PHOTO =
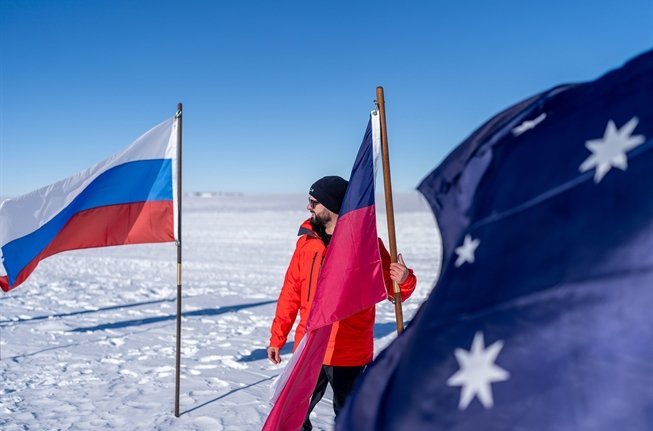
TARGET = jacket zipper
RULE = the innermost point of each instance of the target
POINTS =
(310, 278)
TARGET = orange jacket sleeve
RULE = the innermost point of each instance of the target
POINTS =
(289, 302)
(407, 287)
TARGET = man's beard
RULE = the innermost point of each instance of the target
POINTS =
(319, 220)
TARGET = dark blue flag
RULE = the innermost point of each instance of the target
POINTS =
(543, 315)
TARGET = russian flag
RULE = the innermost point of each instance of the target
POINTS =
(351, 280)
(130, 198)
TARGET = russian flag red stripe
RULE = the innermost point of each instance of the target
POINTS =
(136, 223)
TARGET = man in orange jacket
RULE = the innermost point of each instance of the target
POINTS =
(351, 343)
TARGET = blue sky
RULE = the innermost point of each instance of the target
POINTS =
(277, 94)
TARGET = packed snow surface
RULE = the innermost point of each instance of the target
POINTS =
(88, 342)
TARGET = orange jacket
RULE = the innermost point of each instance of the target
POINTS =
(352, 340)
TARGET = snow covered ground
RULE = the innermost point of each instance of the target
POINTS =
(88, 341)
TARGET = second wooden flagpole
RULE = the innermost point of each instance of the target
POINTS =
(389, 209)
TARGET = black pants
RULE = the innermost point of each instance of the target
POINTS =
(342, 381)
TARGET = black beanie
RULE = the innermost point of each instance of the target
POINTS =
(329, 191)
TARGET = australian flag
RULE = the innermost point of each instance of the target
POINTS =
(543, 315)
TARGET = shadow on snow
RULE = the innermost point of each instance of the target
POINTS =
(79, 313)
(156, 319)
(228, 393)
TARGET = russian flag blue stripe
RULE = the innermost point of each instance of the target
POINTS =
(135, 181)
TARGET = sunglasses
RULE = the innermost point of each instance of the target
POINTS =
(312, 203)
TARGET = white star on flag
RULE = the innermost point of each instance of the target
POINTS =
(466, 251)
(610, 151)
(528, 124)
(477, 372)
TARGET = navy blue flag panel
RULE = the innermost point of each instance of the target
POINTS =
(543, 315)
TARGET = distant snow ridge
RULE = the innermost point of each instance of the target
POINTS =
(236, 201)
(212, 194)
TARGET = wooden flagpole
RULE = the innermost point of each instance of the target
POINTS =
(389, 209)
(179, 195)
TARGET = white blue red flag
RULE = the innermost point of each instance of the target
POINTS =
(542, 317)
(129, 198)
(351, 280)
